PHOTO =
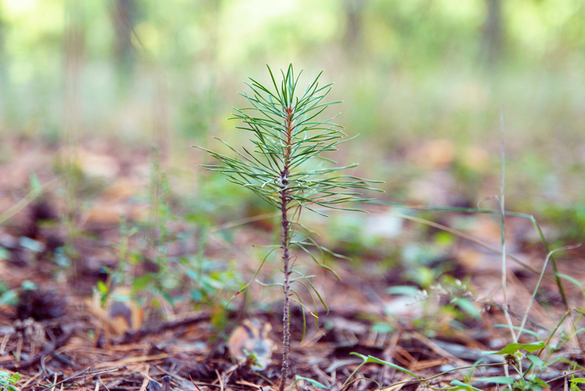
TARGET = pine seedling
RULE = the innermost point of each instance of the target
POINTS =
(287, 169)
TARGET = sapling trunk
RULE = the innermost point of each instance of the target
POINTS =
(286, 169)
(284, 201)
(286, 311)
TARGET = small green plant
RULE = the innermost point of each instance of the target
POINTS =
(8, 380)
(7, 296)
(169, 279)
(575, 381)
(286, 169)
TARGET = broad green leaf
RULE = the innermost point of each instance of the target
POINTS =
(141, 282)
(102, 288)
(515, 347)
(31, 244)
(35, 185)
(371, 359)
(467, 306)
(578, 380)
(535, 360)
(314, 383)
(28, 285)
(525, 385)
(540, 382)
(9, 298)
(496, 380)
(382, 328)
(461, 385)
(168, 298)
(4, 254)
(406, 290)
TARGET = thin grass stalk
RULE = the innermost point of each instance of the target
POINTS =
(538, 285)
(503, 234)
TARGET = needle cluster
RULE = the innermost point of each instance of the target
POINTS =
(289, 142)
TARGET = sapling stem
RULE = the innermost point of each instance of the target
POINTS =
(284, 201)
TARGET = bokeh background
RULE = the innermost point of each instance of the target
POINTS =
(424, 82)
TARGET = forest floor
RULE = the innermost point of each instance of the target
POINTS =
(90, 300)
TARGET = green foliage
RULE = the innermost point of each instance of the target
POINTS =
(459, 386)
(160, 210)
(7, 296)
(496, 379)
(312, 382)
(371, 359)
(31, 244)
(209, 279)
(529, 383)
(515, 347)
(570, 217)
(575, 383)
(7, 381)
(374, 360)
(28, 285)
(195, 278)
(4, 254)
(346, 232)
(10, 296)
(455, 297)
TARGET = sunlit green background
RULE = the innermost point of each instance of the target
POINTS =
(423, 81)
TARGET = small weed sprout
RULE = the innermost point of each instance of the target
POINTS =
(286, 169)
(8, 381)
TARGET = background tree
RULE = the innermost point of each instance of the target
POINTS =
(492, 32)
(124, 20)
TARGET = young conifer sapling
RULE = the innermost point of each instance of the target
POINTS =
(287, 169)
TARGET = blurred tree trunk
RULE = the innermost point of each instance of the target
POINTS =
(212, 93)
(73, 59)
(3, 66)
(74, 52)
(2, 38)
(124, 20)
(352, 40)
(492, 33)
